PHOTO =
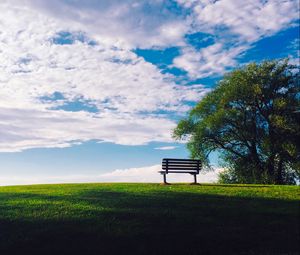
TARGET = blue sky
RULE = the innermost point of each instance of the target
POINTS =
(91, 90)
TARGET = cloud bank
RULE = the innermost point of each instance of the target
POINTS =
(49, 65)
(131, 175)
(69, 72)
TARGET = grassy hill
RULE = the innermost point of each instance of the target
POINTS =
(149, 219)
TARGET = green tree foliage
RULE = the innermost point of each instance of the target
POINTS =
(252, 118)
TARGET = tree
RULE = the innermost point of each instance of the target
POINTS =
(252, 119)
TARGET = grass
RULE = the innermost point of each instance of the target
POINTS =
(149, 219)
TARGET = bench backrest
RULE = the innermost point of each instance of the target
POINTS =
(174, 165)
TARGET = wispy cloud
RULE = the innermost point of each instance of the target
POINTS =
(294, 49)
(166, 148)
(236, 25)
(248, 19)
(209, 61)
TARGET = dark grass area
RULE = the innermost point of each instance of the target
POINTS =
(149, 219)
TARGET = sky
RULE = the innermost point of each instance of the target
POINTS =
(90, 90)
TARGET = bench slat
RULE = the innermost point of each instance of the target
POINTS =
(178, 165)
(181, 163)
(180, 160)
(181, 168)
(181, 172)
(187, 168)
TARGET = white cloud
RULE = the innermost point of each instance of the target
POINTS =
(208, 61)
(136, 175)
(236, 25)
(125, 89)
(150, 174)
(166, 148)
(128, 23)
(24, 129)
(249, 19)
(294, 50)
(128, 92)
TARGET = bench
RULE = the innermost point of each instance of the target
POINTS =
(174, 165)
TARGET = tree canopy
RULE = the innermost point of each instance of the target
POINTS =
(252, 119)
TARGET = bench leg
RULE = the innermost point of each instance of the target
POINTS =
(165, 179)
(195, 179)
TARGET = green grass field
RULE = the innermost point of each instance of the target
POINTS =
(149, 219)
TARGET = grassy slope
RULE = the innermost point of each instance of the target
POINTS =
(149, 219)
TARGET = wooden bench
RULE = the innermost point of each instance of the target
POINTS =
(174, 165)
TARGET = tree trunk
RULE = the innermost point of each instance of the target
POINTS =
(271, 169)
(271, 160)
(258, 169)
(279, 177)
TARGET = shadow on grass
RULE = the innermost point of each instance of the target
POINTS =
(110, 222)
